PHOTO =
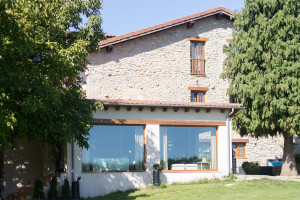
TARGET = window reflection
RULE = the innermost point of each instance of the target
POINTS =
(114, 148)
(188, 148)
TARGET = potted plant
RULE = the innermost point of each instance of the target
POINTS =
(156, 170)
(65, 192)
(53, 193)
(38, 193)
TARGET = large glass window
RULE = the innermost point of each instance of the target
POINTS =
(114, 148)
(188, 148)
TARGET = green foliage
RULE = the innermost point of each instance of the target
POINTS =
(263, 65)
(251, 167)
(38, 189)
(53, 193)
(65, 191)
(157, 167)
(40, 89)
(162, 185)
(150, 187)
(230, 178)
(265, 68)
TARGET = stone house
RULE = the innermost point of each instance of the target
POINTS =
(164, 103)
(166, 78)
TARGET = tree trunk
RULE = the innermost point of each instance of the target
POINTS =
(289, 162)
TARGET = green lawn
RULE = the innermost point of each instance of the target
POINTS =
(264, 189)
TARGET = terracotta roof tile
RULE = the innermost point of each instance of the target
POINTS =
(167, 103)
(166, 25)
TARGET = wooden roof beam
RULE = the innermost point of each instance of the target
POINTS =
(190, 24)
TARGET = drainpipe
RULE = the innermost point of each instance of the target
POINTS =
(72, 167)
(1, 173)
(229, 140)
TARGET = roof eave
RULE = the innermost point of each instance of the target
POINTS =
(166, 27)
(170, 105)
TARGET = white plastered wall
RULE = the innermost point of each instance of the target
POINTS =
(96, 184)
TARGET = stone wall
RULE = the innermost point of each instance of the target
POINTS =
(263, 149)
(157, 66)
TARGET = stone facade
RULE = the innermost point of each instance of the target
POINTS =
(263, 149)
(157, 66)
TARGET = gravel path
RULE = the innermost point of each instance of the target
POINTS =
(251, 177)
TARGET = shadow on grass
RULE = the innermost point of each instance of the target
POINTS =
(120, 195)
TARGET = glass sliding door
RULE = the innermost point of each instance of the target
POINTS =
(188, 148)
(114, 148)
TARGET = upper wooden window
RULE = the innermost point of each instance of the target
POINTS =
(198, 55)
(198, 94)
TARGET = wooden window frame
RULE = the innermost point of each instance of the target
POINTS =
(144, 138)
(237, 151)
(133, 122)
(188, 171)
(196, 96)
(197, 90)
(195, 62)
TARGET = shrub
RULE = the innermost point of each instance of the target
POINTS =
(163, 185)
(230, 178)
(53, 193)
(157, 167)
(251, 167)
(65, 192)
(150, 187)
(297, 157)
(38, 189)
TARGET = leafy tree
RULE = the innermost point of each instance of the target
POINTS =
(264, 67)
(40, 61)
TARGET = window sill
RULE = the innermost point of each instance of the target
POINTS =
(198, 74)
(244, 157)
(100, 171)
(187, 171)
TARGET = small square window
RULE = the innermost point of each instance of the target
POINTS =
(239, 149)
(197, 96)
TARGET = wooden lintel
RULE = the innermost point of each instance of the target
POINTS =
(222, 110)
(176, 109)
(186, 109)
(141, 108)
(240, 140)
(161, 122)
(203, 89)
(197, 110)
(198, 39)
(153, 109)
(106, 107)
(117, 108)
(190, 24)
(208, 110)
(129, 108)
(109, 48)
(165, 109)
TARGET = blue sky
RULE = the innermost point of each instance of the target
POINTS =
(125, 16)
